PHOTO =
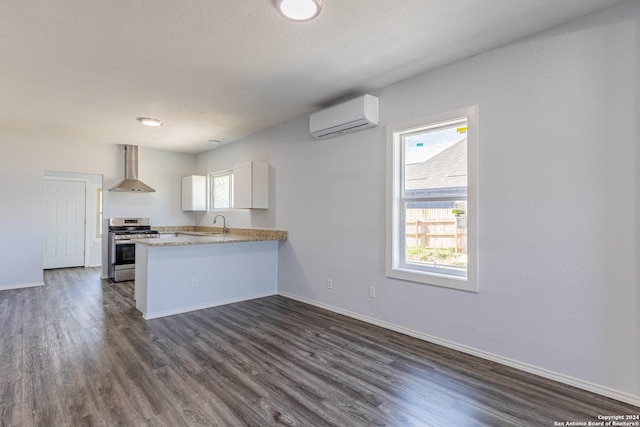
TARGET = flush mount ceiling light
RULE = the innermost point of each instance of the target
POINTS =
(299, 10)
(147, 121)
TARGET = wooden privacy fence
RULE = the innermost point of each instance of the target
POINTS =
(435, 228)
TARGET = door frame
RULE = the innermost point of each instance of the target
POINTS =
(89, 211)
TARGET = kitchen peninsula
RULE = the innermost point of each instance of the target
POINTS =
(192, 268)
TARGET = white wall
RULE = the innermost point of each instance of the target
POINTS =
(559, 216)
(24, 157)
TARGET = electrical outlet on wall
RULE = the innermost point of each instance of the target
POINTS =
(372, 292)
(329, 284)
(194, 282)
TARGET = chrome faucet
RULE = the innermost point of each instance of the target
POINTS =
(225, 230)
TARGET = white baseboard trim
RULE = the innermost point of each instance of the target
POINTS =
(545, 373)
(21, 286)
(180, 310)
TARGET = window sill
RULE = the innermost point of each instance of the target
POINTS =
(226, 210)
(434, 279)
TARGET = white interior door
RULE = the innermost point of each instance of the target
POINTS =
(64, 204)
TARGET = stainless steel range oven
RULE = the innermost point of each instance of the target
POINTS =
(122, 251)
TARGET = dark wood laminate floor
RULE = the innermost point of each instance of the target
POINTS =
(76, 352)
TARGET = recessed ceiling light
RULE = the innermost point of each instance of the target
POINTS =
(147, 121)
(299, 10)
(214, 142)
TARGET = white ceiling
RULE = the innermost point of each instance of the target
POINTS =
(221, 69)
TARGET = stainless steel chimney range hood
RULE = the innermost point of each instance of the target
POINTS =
(131, 183)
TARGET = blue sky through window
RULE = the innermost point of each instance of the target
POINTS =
(418, 148)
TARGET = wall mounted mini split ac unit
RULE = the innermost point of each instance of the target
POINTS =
(357, 114)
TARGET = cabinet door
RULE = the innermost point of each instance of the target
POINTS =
(194, 193)
(242, 186)
(251, 186)
(260, 185)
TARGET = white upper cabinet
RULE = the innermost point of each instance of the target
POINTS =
(194, 193)
(251, 186)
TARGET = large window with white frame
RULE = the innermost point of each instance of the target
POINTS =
(432, 201)
(221, 190)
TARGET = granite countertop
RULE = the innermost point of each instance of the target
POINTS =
(197, 235)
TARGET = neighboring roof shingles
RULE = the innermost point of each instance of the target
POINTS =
(444, 170)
